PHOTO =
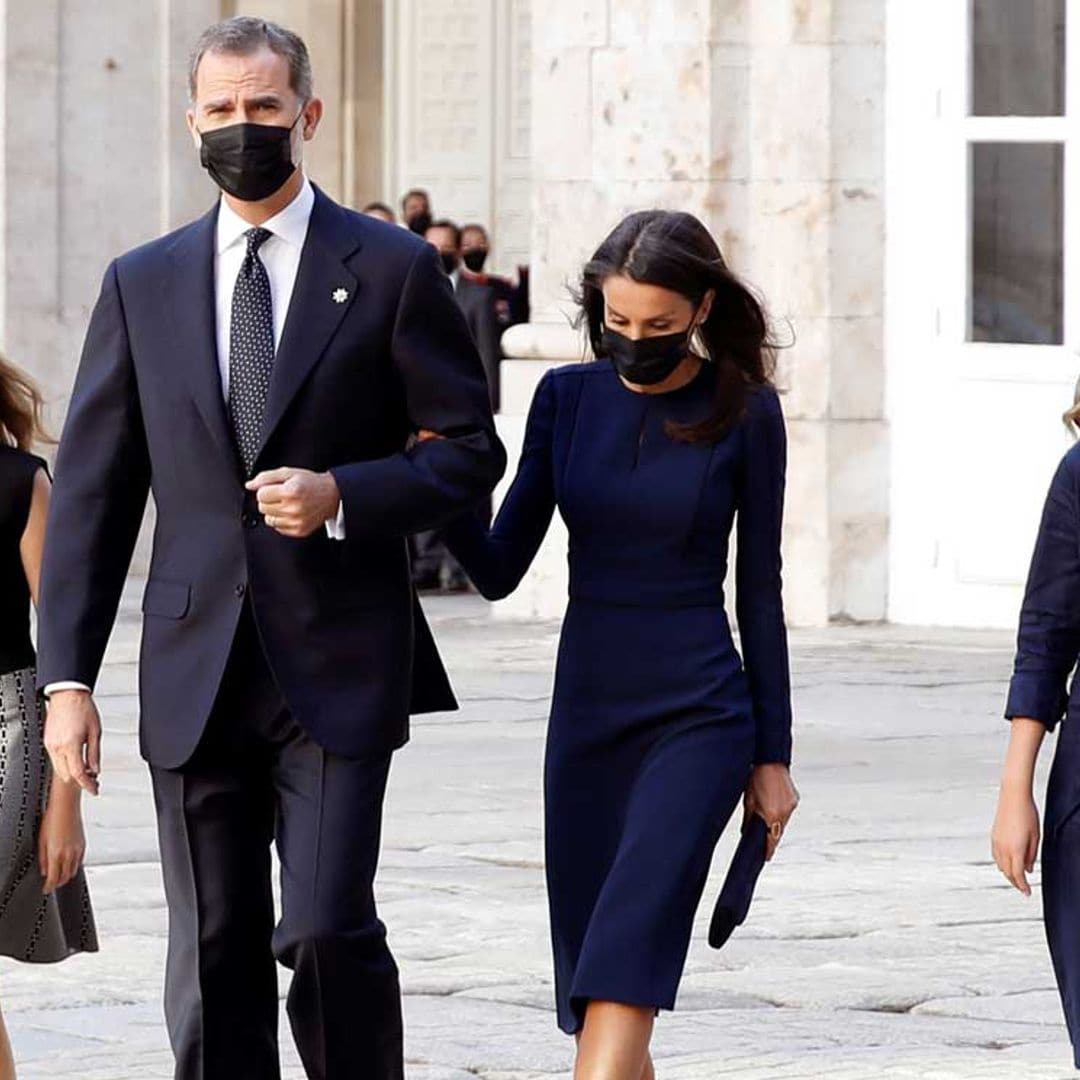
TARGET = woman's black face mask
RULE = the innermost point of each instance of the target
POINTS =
(649, 360)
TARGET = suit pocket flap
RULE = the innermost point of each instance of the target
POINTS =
(167, 598)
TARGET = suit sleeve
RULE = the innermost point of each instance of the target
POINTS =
(496, 561)
(445, 392)
(759, 603)
(98, 500)
(1048, 640)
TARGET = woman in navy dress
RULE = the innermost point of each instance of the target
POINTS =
(650, 454)
(1048, 647)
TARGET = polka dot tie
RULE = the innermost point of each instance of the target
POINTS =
(251, 349)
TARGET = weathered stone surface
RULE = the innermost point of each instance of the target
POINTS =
(882, 943)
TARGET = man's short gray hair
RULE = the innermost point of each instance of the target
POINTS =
(241, 36)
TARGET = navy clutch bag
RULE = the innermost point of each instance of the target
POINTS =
(734, 901)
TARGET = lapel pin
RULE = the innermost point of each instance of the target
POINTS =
(340, 296)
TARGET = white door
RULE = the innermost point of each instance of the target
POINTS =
(982, 293)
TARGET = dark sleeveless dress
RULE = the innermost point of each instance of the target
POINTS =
(656, 722)
(33, 927)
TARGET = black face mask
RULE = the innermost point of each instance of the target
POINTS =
(450, 260)
(646, 361)
(475, 258)
(249, 161)
(419, 222)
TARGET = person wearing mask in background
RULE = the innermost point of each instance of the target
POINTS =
(45, 913)
(512, 301)
(416, 210)
(381, 211)
(434, 568)
(476, 297)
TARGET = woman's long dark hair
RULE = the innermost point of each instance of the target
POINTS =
(675, 251)
(21, 409)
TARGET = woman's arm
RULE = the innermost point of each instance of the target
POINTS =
(61, 841)
(759, 606)
(1048, 639)
(497, 560)
(760, 612)
(1015, 838)
(32, 543)
(1048, 643)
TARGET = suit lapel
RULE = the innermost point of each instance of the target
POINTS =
(194, 320)
(324, 292)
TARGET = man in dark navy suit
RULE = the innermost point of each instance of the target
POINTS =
(264, 372)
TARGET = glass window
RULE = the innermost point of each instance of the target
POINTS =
(1017, 268)
(1018, 58)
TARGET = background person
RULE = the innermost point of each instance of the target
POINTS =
(476, 298)
(416, 210)
(380, 210)
(512, 301)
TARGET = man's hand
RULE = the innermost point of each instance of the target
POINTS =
(73, 738)
(296, 502)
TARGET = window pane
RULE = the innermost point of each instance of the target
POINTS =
(1017, 268)
(1018, 57)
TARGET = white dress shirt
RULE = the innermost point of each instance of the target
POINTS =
(280, 255)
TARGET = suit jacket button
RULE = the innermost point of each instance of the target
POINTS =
(240, 590)
(249, 519)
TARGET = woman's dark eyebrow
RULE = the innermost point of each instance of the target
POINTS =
(652, 318)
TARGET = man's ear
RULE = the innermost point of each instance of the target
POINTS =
(313, 114)
(192, 128)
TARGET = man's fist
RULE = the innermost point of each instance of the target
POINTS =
(296, 502)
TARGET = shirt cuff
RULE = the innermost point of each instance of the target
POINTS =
(53, 687)
(335, 526)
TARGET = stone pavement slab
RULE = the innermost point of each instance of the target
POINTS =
(882, 944)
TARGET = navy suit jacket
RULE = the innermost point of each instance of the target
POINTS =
(352, 382)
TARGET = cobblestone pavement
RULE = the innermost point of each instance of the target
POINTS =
(882, 943)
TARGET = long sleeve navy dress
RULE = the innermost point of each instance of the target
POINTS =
(655, 721)
(1048, 647)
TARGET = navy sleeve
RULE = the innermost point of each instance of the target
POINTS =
(97, 504)
(445, 392)
(759, 604)
(1048, 640)
(497, 560)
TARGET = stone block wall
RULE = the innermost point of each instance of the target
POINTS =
(765, 120)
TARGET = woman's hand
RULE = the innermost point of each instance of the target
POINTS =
(1015, 839)
(61, 842)
(771, 795)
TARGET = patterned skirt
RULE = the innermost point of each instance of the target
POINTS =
(33, 927)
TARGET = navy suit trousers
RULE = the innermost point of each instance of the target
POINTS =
(257, 778)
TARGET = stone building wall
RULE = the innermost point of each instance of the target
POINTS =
(94, 159)
(765, 120)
